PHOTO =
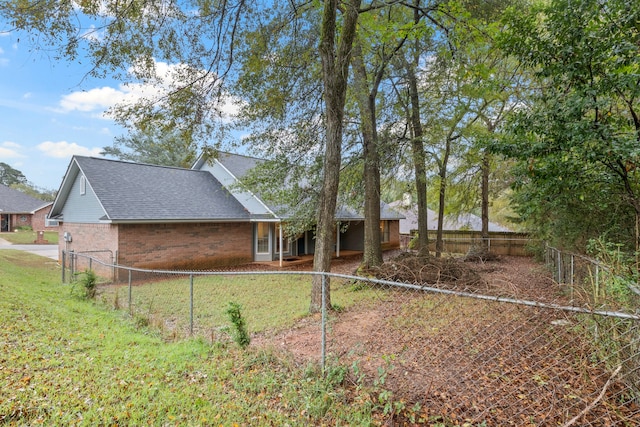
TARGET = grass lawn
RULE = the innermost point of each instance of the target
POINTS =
(67, 361)
(269, 302)
(27, 237)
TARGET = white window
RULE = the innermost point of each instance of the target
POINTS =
(83, 185)
(262, 238)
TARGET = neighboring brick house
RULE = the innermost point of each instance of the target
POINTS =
(18, 209)
(159, 217)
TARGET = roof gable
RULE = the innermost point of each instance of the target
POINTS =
(230, 168)
(14, 201)
(136, 192)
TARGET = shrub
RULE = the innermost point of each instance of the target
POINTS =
(239, 331)
(88, 283)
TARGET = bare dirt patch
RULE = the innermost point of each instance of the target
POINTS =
(450, 360)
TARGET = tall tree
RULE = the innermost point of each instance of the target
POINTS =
(152, 147)
(578, 142)
(9, 175)
(198, 41)
(409, 65)
(335, 51)
(384, 34)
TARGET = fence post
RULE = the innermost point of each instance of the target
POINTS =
(597, 282)
(64, 264)
(572, 278)
(559, 267)
(572, 272)
(324, 323)
(191, 304)
(72, 261)
(130, 307)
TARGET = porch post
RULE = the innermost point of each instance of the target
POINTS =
(280, 237)
(338, 239)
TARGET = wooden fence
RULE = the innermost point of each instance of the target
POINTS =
(459, 242)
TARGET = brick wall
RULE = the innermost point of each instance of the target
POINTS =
(38, 220)
(185, 246)
(97, 240)
(19, 220)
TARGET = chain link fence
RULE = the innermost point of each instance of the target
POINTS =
(478, 345)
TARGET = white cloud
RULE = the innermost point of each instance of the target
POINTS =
(64, 149)
(10, 149)
(99, 100)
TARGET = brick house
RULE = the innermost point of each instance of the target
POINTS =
(160, 217)
(18, 209)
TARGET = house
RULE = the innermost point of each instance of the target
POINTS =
(160, 217)
(467, 221)
(18, 209)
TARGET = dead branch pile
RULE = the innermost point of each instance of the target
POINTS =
(430, 271)
(479, 253)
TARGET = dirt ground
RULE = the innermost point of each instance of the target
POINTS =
(452, 360)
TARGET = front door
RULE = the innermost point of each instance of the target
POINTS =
(4, 223)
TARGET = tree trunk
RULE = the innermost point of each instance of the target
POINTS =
(417, 151)
(417, 143)
(366, 99)
(441, 199)
(335, 71)
(485, 200)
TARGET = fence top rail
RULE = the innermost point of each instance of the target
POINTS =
(427, 289)
(633, 288)
(583, 257)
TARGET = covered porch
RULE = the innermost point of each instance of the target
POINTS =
(305, 260)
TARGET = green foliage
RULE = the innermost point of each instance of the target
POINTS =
(577, 142)
(239, 330)
(617, 275)
(39, 193)
(10, 176)
(88, 282)
(155, 147)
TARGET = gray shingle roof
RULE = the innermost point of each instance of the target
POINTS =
(142, 192)
(240, 165)
(451, 222)
(14, 201)
(237, 164)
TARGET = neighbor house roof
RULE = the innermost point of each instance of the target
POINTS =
(16, 202)
(451, 222)
(136, 192)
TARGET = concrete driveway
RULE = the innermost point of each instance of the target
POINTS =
(49, 251)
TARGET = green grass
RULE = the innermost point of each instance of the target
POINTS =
(27, 237)
(67, 361)
(269, 302)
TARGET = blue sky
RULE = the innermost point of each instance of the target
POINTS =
(50, 111)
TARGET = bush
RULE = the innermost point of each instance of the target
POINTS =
(239, 332)
(88, 283)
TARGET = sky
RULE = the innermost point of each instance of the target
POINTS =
(50, 111)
